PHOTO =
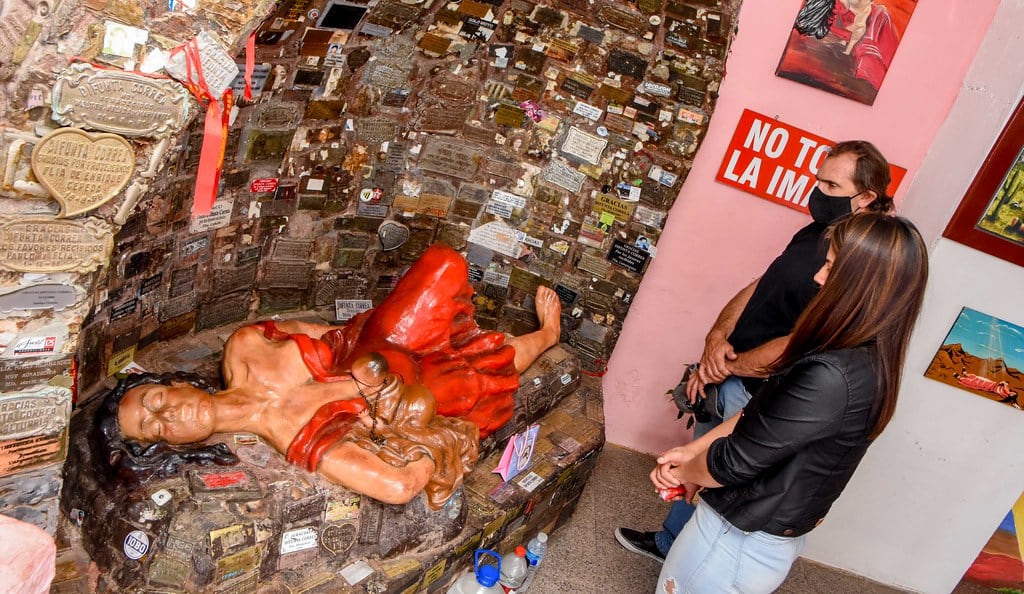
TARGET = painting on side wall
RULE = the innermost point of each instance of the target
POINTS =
(990, 217)
(984, 355)
(998, 565)
(845, 46)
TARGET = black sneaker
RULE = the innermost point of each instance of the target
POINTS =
(639, 542)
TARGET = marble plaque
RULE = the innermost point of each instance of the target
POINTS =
(120, 102)
(583, 146)
(38, 244)
(34, 412)
(450, 158)
(81, 170)
(628, 256)
(55, 296)
(564, 176)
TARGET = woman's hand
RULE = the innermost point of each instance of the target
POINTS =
(668, 473)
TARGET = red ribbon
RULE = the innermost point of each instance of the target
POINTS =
(215, 129)
(250, 64)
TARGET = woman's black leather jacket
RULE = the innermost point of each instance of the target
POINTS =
(797, 444)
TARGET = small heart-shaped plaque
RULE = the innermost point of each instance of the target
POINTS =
(392, 235)
(82, 170)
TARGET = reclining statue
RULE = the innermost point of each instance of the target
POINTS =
(389, 405)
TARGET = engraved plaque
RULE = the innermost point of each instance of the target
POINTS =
(628, 256)
(453, 88)
(120, 102)
(82, 170)
(229, 280)
(577, 88)
(630, 21)
(445, 119)
(278, 115)
(55, 296)
(394, 162)
(37, 244)
(291, 249)
(376, 130)
(224, 311)
(564, 176)
(449, 158)
(337, 539)
(387, 76)
(595, 265)
(39, 412)
(583, 146)
(287, 275)
(165, 571)
(238, 564)
(28, 452)
(26, 373)
(627, 63)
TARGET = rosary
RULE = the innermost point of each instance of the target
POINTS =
(377, 439)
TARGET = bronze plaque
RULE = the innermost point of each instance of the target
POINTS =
(238, 564)
(374, 131)
(28, 452)
(450, 158)
(291, 249)
(27, 373)
(387, 75)
(278, 115)
(120, 102)
(527, 88)
(287, 275)
(627, 63)
(509, 115)
(231, 538)
(82, 171)
(627, 20)
(39, 244)
(34, 412)
(168, 572)
(442, 118)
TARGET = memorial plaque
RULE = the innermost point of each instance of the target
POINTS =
(267, 145)
(628, 256)
(376, 211)
(55, 296)
(618, 123)
(34, 412)
(396, 98)
(583, 146)
(627, 63)
(123, 310)
(454, 88)
(502, 168)
(193, 246)
(394, 14)
(592, 35)
(248, 256)
(444, 118)
(81, 170)
(119, 102)
(237, 564)
(28, 373)
(41, 244)
(224, 311)
(291, 249)
(627, 20)
(565, 177)
(218, 68)
(528, 88)
(219, 217)
(449, 158)
(574, 87)
(387, 76)
(337, 539)
(394, 162)
(497, 236)
(509, 115)
(228, 484)
(435, 45)
(620, 209)
(616, 95)
(229, 280)
(548, 17)
(18, 455)
(595, 265)
(230, 539)
(530, 61)
(168, 572)
(374, 131)
(173, 327)
(287, 275)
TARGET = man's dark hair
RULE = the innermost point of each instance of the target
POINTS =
(128, 462)
(872, 172)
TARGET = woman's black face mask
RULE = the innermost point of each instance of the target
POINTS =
(825, 209)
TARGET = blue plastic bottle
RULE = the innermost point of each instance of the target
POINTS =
(482, 580)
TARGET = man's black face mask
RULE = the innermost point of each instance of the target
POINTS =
(825, 209)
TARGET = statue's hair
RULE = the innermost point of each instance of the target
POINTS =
(128, 462)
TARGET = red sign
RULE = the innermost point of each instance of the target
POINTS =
(223, 480)
(778, 162)
(263, 184)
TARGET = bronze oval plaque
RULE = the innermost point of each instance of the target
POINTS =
(39, 244)
(82, 170)
(119, 102)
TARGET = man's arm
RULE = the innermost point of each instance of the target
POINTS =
(717, 350)
(752, 363)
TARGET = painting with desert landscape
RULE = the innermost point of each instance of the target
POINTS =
(984, 355)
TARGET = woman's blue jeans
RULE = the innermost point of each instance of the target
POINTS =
(732, 397)
(711, 556)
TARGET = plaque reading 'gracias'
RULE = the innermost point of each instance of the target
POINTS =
(82, 170)
(120, 102)
(37, 244)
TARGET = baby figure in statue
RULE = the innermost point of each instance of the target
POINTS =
(390, 405)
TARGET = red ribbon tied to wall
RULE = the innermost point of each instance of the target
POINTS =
(215, 129)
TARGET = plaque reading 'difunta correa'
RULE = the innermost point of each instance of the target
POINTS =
(82, 171)
(120, 102)
(38, 244)
(39, 412)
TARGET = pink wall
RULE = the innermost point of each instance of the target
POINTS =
(718, 239)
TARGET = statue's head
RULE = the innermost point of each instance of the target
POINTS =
(142, 447)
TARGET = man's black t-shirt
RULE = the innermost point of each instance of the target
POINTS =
(783, 292)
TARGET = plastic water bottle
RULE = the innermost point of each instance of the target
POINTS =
(513, 570)
(535, 551)
(482, 580)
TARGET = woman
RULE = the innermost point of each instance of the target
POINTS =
(772, 472)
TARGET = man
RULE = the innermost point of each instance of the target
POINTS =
(753, 328)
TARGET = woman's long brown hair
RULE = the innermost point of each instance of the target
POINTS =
(872, 297)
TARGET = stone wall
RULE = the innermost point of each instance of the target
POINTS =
(546, 141)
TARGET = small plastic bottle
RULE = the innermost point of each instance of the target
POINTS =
(513, 570)
(535, 551)
(482, 580)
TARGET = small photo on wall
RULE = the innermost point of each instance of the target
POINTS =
(982, 355)
(845, 46)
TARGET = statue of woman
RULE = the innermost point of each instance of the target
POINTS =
(389, 405)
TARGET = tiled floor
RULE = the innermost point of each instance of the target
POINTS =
(584, 557)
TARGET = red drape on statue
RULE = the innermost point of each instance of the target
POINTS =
(874, 51)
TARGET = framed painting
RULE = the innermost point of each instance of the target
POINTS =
(983, 355)
(990, 215)
(998, 565)
(845, 46)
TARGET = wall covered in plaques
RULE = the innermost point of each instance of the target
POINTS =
(546, 141)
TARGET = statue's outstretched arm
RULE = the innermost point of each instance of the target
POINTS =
(358, 470)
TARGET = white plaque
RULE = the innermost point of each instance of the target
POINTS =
(298, 540)
(220, 216)
(509, 198)
(345, 309)
(219, 69)
(499, 237)
(583, 146)
(588, 111)
(564, 177)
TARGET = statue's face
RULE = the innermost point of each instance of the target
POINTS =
(179, 413)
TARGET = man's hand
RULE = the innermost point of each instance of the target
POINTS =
(714, 362)
(694, 388)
